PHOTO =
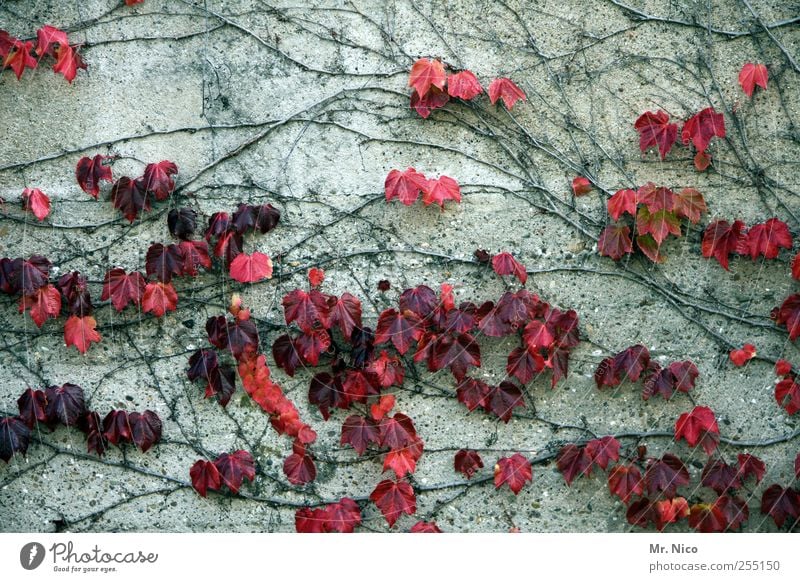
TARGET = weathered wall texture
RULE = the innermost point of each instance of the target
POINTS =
(304, 104)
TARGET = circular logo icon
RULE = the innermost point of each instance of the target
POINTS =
(31, 555)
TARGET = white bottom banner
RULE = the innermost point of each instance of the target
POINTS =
(388, 557)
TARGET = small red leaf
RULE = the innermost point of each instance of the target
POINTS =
(581, 186)
(205, 477)
(234, 468)
(19, 57)
(621, 202)
(299, 469)
(515, 470)
(615, 241)
(701, 127)
(394, 498)
(788, 314)
(468, 462)
(426, 103)
(505, 89)
(425, 527)
(625, 481)
(464, 85)
(158, 178)
(44, 304)
(750, 465)
(603, 451)
(665, 475)
(505, 264)
(766, 239)
(47, 36)
(123, 288)
(90, 172)
(573, 462)
(439, 190)
(741, 356)
(721, 239)
(359, 432)
(787, 394)
(426, 73)
(145, 429)
(68, 61)
(752, 75)
(36, 201)
(781, 504)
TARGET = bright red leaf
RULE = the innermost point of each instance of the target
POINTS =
(766, 239)
(80, 332)
(752, 75)
(701, 127)
(698, 427)
(622, 201)
(426, 73)
(251, 268)
(123, 288)
(655, 130)
(158, 298)
(19, 57)
(505, 89)
(47, 36)
(740, 357)
(44, 304)
(439, 190)
(722, 239)
(68, 61)
(36, 201)
(787, 394)
(307, 308)
(406, 186)
(788, 314)
(425, 527)
(689, 204)
(464, 85)
(433, 99)
(515, 471)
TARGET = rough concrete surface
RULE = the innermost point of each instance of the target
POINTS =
(304, 104)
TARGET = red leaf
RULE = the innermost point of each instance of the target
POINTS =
(397, 432)
(36, 201)
(403, 461)
(536, 335)
(573, 461)
(467, 462)
(47, 36)
(359, 432)
(650, 248)
(424, 104)
(783, 367)
(195, 254)
(68, 61)
(660, 224)
(625, 481)
(182, 222)
(158, 178)
(406, 186)
(501, 400)
(65, 404)
(159, 298)
(420, 300)
(117, 427)
(425, 527)
(581, 186)
(473, 393)
(524, 364)
(346, 313)
(788, 314)
(326, 392)
(515, 470)
(505, 264)
(14, 437)
(721, 239)
(665, 475)
(315, 277)
(383, 407)
(401, 328)
(781, 504)
(701, 161)
(603, 451)
(343, 516)
(130, 197)
(19, 57)
(464, 85)
(621, 202)
(44, 304)
(459, 353)
(752, 75)
(787, 394)
(750, 465)
(90, 172)
(766, 239)
(307, 308)
(234, 468)
(505, 89)
(440, 190)
(205, 476)
(796, 267)
(394, 498)
(145, 429)
(720, 476)
(698, 427)
(133, 2)
(123, 288)
(725, 514)
(299, 469)
(80, 332)
(426, 73)
(742, 356)
(655, 130)
(615, 241)
(684, 374)
(164, 261)
(312, 344)
(32, 405)
(250, 268)
(388, 370)
(690, 204)
(701, 127)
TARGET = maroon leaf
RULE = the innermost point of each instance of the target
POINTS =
(524, 364)
(420, 300)
(788, 314)
(32, 407)
(158, 178)
(701, 127)
(307, 308)
(615, 242)
(473, 393)
(182, 222)
(326, 391)
(145, 429)
(234, 468)
(299, 469)
(625, 481)
(750, 465)
(65, 404)
(401, 328)
(573, 461)
(698, 427)
(501, 400)
(205, 477)
(720, 476)
(90, 172)
(346, 313)
(14, 437)
(117, 427)
(467, 462)
(603, 451)
(397, 432)
(75, 290)
(286, 354)
(665, 475)
(164, 261)
(130, 197)
(515, 471)
(123, 288)
(722, 239)
(781, 504)
(359, 432)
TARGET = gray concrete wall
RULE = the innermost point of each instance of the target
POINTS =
(305, 105)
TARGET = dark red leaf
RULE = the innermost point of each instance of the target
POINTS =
(164, 261)
(145, 429)
(420, 300)
(781, 504)
(698, 427)
(299, 469)
(327, 392)
(182, 222)
(14, 437)
(615, 242)
(403, 461)
(665, 475)
(603, 451)
(625, 481)
(31, 274)
(234, 468)
(750, 465)
(788, 314)
(401, 328)
(459, 353)
(573, 462)
(32, 406)
(75, 290)
(242, 337)
(286, 354)
(787, 394)
(307, 308)
(501, 400)
(65, 404)
(205, 477)
(346, 313)
(158, 178)
(265, 217)
(130, 197)
(89, 172)
(581, 186)
(684, 374)
(393, 498)
(397, 432)
(359, 432)
(524, 365)
(388, 370)
(92, 427)
(722, 239)
(473, 393)
(123, 288)
(467, 462)
(117, 427)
